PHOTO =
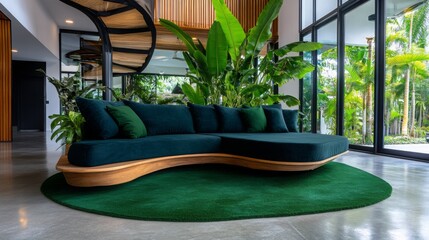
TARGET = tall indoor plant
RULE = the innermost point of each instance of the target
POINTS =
(224, 72)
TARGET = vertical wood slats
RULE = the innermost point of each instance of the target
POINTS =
(199, 14)
(5, 80)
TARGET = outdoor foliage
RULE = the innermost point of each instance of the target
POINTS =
(151, 89)
(406, 89)
(226, 71)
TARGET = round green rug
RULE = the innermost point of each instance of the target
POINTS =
(219, 192)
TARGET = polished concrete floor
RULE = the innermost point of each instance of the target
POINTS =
(26, 214)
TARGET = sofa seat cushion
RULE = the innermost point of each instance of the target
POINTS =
(100, 152)
(290, 147)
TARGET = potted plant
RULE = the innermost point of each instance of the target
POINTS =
(224, 72)
(67, 126)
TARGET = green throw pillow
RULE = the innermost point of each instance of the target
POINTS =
(129, 123)
(254, 119)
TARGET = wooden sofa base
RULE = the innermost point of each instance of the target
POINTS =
(117, 173)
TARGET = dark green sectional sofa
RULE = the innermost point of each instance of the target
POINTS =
(267, 134)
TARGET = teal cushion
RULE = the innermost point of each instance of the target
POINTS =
(163, 119)
(204, 117)
(276, 105)
(291, 119)
(98, 121)
(254, 119)
(287, 147)
(130, 125)
(99, 152)
(229, 119)
(275, 120)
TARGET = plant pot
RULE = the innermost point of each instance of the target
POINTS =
(66, 150)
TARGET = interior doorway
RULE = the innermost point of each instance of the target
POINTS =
(28, 96)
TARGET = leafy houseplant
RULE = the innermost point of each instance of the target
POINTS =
(225, 71)
(69, 88)
(67, 127)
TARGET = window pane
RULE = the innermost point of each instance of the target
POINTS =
(396, 8)
(359, 75)
(407, 83)
(307, 13)
(307, 92)
(327, 79)
(323, 7)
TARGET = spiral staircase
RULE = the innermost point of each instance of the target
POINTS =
(127, 35)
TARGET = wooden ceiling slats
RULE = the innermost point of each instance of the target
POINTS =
(126, 20)
(196, 17)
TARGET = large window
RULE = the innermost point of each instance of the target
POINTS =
(359, 37)
(406, 113)
(323, 7)
(351, 80)
(327, 79)
(307, 96)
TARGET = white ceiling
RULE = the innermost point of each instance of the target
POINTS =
(30, 49)
(60, 11)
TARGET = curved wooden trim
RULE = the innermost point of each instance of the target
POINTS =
(117, 173)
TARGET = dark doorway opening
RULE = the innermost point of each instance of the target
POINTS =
(28, 96)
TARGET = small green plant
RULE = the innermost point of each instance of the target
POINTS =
(67, 127)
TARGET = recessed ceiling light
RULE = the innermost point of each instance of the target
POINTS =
(14, 50)
(159, 57)
(69, 21)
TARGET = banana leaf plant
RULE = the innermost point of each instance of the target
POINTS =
(225, 71)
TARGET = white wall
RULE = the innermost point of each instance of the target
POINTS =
(35, 19)
(53, 107)
(288, 33)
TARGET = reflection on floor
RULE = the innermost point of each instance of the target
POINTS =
(418, 148)
(27, 214)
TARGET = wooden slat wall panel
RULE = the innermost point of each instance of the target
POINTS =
(5, 80)
(199, 14)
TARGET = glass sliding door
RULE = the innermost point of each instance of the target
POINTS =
(380, 103)
(359, 60)
(406, 112)
(327, 79)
